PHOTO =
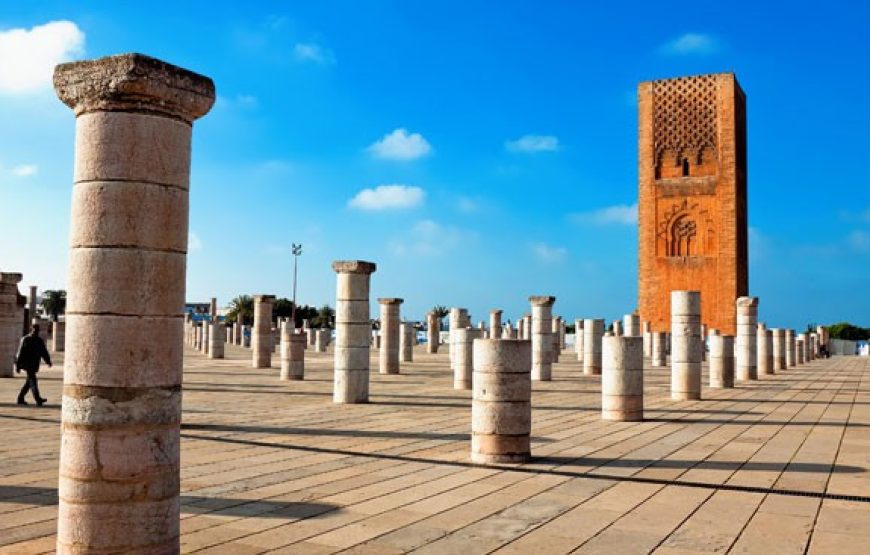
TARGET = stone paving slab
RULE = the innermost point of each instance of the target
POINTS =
(775, 466)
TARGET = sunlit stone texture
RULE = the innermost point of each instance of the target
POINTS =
(501, 411)
(458, 319)
(217, 337)
(463, 364)
(10, 322)
(578, 340)
(631, 325)
(58, 336)
(722, 359)
(622, 378)
(321, 342)
(542, 339)
(119, 455)
(686, 345)
(433, 332)
(659, 342)
(779, 349)
(407, 331)
(261, 334)
(746, 342)
(390, 334)
(790, 351)
(764, 344)
(292, 353)
(495, 324)
(593, 331)
(353, 331)
(646, 331)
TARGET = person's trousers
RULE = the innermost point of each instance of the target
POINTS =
(30, 384)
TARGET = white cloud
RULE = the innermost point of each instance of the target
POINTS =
(860, 240)
(25, 170)
(547, 253)
(691, 44)
(533, 143)
(399, 145)
(28, 56)
(193, 242)
(428, 238)
(621, 214)
(388, 197)
(313, 52)
(466, 205)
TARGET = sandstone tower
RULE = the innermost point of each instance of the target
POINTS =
(692, 196)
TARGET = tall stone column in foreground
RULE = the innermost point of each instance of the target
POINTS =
(622, 379)
(495, 324)
(542, 339)
(433, 332)
(593, 331)
(10, 323)
(119, 456)
(722, 359)
(746, 342)
(390, 335)
(686, 345)
(353, 331)
(261, 334)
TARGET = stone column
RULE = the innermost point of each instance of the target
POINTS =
(212, 311)
(646, 331)
(353, 331)
(616, 327)
(501, 408)
(119, 455)
(216, 340)
(542, 342)
(406, 342)
(631, 323)
(779, 349)
(521, 328)
(31, 305)
(261, 334)
(686, 345)
(578, 339)
(10, 323)
(433, 332)
(321, 341)
(659, 342)
(814, 346)
(292, 353)
(622, 379)
(799, 349)
(495, 324)
(557, 351)
(722, 360)
(528, 329)
(458, 319)
(463, 367)
(58, 336)
(206, 337)
(390, 335)
(593, 331)
(237, 333)
(789, 349)
(746, 342)
(764, 344)
(310, 337)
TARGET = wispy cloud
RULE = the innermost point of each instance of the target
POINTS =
(619, 214)
(466, 205)
(548, 253)
(313, 52)
(25, 170)
(388, 197)
(700, 44)
(400, 145)
(28, 56)
(860, 240)
(533, 143)
(193, 242)
(428, 238)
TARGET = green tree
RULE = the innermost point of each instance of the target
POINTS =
(440, 312)
(324, 318)
(845, 330)
(54, 302)
(241, 309)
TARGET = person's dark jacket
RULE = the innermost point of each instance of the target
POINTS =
(30, 351)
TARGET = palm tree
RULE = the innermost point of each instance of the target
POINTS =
(241, 309)
(325, 317)
(54, 302)
(440, 312)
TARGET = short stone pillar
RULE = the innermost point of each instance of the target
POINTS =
(508, 332)
(321, 340)
(616, 328)
(721, 360)
(353, 331)
(542, 339)
(463, 364)
(292, 353)
(206, 340)
(120, 423)
(376, 340)
(237, 333)
(495, 324)
(686, 345)
(779, 349)
(790, 351)
(578, 340)
(527, 334)
(458, 319)
(814, 346)
(407, 331)
(10, 323)
(433, 332)
(501, 408)
(521, 328)
(622, 378)
(261, 334)
(659, 341)
(631, 324)
(310, 337)
(390, 335)
(764, 348)
(799, 349)
(746, 342)
(556, 326)
(216, 337)
(646, 331)
(593, 331)
(32, 305)
(228, 334)
(58, 336)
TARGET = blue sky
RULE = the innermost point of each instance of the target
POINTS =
(479, 152)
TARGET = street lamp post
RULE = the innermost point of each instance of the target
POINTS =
(297, 251)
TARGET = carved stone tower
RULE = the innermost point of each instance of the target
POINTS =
(692, 199)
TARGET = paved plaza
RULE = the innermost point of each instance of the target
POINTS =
(775, 466)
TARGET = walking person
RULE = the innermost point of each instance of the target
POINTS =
(30, 352)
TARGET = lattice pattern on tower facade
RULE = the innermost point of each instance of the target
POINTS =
(684, 119)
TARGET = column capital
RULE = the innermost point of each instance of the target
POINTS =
(354, 267)
(747, 301)
(391, 300)
(13, 278)
(542, 300)
(264, 298)
(134, 83)
(496, 311)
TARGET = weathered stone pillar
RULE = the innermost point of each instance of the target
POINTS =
(10, 322)
(390, 335)
(631, 323)
(521, 328)
(353, 331)
(622, 378)
(593, 331)
(458, 319)
(32, 307)
(646, 331)
(311, 337)
(406, 341)
(119, 457)
(764, 344)
(799, 348)
(501, 408)
(616, 328)
(463, 367)
(686, 345)
(292, 353)
(659, 341)
(508, 332)
(58, 336)
(495, 324)
(204, 344)
(556, 342)
(789, 348)
(216, 336)
(578, 339)
(261, 334)
(814, 346)
(321, 341)
(237, 333)
(746, 341)
(542, 339)
(779, 349)
(212, 311)
(433, 332)
(527, 333)
(721, 360)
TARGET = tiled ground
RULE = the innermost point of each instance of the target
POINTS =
(270, 466)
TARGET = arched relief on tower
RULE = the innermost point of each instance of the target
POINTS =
(685, 229)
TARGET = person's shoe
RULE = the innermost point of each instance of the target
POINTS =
(41, 402)
(22, 402)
